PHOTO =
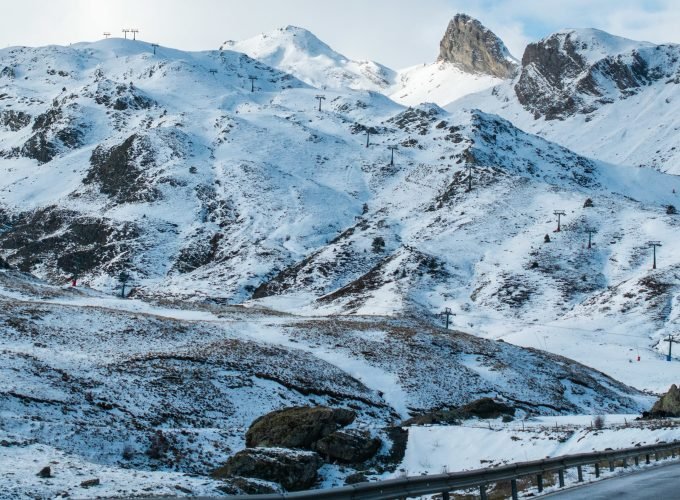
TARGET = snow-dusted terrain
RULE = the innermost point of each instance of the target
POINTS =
(440, 82)
(279, 257)
(90, 384)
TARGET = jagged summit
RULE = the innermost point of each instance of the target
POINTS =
(601, 95)
(476, 49)
(578, 71)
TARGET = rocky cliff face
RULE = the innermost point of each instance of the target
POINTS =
(578, 71)
(474, 48)
(668, 405)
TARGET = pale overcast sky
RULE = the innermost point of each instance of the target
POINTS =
(397, 33)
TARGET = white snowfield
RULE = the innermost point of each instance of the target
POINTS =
(440, 82)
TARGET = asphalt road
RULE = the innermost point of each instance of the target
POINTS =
(658, 483)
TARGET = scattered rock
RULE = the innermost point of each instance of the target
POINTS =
(350, 446)
(297, 427)
(357, 477)
(14, 120)
(90, 482)
(45, 472)
(250, 486)
(292, 469)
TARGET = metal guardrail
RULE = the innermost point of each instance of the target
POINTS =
(443, 484)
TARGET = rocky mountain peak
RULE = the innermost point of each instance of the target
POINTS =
(476, 49)
(578, 71)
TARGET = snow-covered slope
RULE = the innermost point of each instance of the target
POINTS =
(297, 51)
(440, 82)
(600, 95)
(201, 189)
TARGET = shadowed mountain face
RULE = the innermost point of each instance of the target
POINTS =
(476, 49)
(579, 71)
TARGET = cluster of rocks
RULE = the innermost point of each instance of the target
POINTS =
(288, 447)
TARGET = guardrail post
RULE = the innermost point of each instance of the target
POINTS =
(597, 470)
(637, 460)
(580, 473)
(560, 475)
(482, 492)
(647, 458)
(611, 466)
(513, 487)
(539, 482)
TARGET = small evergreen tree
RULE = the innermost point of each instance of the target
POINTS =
(378, 244)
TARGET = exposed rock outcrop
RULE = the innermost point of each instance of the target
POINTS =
(119, 170)
(297, 427)
(577, 71)
(14, 120)
(667, 406)
(350, 446)
(292, 469)
(475, 49)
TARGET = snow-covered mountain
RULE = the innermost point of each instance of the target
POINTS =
(600, 95)
(299, 52)
(471, 59)
(288, 251)
(169, 168)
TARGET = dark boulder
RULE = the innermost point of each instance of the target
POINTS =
(486, 408)
(45, 472)
(249, 486)
(667, 406)
(297, 427)
(292, 469)
(349, 446)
